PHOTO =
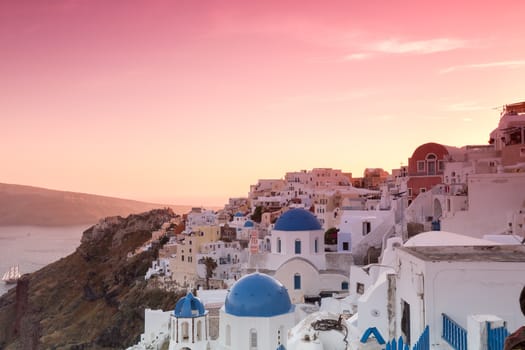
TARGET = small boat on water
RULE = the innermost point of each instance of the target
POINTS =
(12, 275)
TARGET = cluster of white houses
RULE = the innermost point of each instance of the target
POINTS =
(430, 259)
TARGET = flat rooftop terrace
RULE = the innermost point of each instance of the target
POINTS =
(495, 253)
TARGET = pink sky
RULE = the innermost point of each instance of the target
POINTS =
(190, 102)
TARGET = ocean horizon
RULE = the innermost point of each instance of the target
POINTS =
(33, 247)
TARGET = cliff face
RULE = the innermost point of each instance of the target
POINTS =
(92, 299)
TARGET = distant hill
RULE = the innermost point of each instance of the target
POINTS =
(27, 205)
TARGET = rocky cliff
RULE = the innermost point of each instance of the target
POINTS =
(92, 299)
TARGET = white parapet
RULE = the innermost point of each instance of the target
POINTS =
(477, 330)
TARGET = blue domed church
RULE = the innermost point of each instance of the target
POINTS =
(257, 314)
(297, 257)
(189, 325)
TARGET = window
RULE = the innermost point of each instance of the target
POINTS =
(431, 165)
(297, 281)
(345, 246)
(420, 166)
(360, 288)
(405, 321)
(422, 190)
(409, 192)
(344, 285)
(367, 227)
(515, 137)
(316, 246)
(278, 245)
(441, 165)
(182, 257)
(297, 246)
(253, 339)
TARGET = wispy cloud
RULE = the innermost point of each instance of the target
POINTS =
(497, 64)
(414, 47)
(465, 106)
(396, 46)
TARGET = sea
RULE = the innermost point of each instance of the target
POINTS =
(33, 247)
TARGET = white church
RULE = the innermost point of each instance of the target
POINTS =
(257, 314)
(297, 258)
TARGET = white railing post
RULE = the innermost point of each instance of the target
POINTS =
(477, 332)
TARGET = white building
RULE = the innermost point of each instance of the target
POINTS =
(484, 186)
(238, 220)
(257, 314)
(228, 255)
(492, 199)
(200, 217)
(160, 266)
(297, 257)
(355, 225)
(435, 278)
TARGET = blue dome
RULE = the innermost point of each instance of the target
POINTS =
(297, 220)
(248, 223)
(238, 214)
(258, 295)
(188, 307)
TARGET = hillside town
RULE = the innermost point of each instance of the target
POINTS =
(427, 256)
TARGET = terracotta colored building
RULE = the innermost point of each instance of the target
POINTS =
(425, 168)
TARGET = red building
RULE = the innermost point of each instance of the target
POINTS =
(425, 168)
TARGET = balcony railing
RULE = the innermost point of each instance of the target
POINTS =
(496, 337)
(454, 334)
(423, 343)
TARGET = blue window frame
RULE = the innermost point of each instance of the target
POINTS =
(344, 285)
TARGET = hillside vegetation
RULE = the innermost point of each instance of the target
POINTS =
(92, 299)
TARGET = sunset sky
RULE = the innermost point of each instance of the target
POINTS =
(190, 102)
